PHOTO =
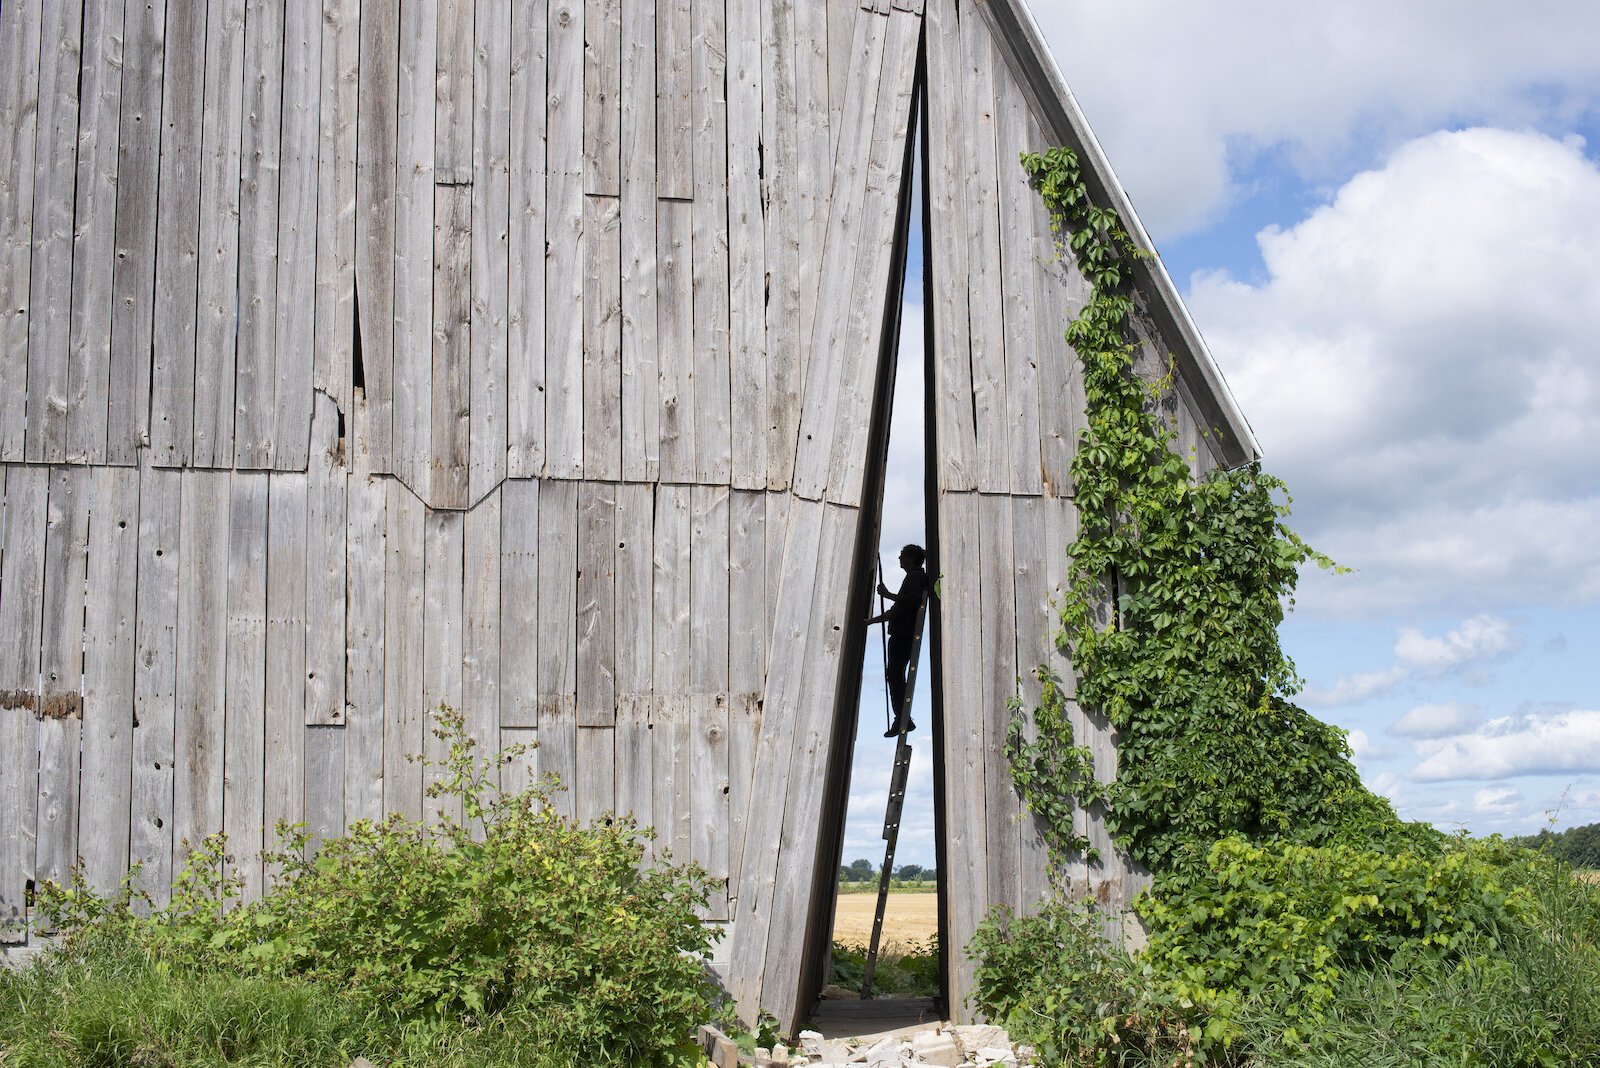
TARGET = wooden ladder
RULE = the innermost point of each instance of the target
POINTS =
(896, 805)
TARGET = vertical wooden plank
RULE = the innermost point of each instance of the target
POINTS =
(480, 652)
(558, 594)
(324, 791)
(675, 280)
(595, 782)
(777, 533)
(674, 77)
(283, 794)
(444, 626)
(814, 152)
(55, 168)
(1063, 293)
(519, 601)
(1019, 281)
(713, 444)
(365, 714)
(177, 247)
(744, 730)
(21, 620)
(708, 566)
(641, 412)
(886, 183)
(984, 284)
(519, 774)
(780, 145)
(20, 26)
(245, 723)
(672, 609)
(216, 339)
(965, 740)
(602, 339)
(94, 223)
(597, 605)
(155, 681)
(66, 550)
(998, 615)
(557, 754)
(295, 335)
(203, 642)
(602, 97)
(133, 280)
(711, 823)
(833, 345)
(843, 17)
(1061, 530)
(448, 472)
(947, 247)
(260, 181)
(105, 800)
(404, 710)
(337, 162)
(747, 264)
(1034, 647)
(491, 219)
(564, 257)
(453, 93)
(672, 750)
(634, 600)
(636, 765)
(326, 560)
(413, 244)
(525, 376)
(377, 159)
(747, 592)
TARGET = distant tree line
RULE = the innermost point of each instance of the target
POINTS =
(863, 870)
(1577, 846)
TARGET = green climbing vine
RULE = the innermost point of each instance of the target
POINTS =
(1178, 585)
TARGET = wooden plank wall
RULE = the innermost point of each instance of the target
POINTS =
(1007, 401)
(517, 355)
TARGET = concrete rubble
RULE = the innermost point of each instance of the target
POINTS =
(942, 1045)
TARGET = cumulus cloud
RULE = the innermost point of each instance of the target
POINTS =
(1209, 87)
(1436, 721)
(1567, 742)
(1464, 650)
(1501, 800)
(1418, 365)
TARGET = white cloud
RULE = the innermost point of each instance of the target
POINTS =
(1185, 96)
(1352, 689)
(1498, 800)
(1436, 721)
(1363, 748)
(1419, 366)
(1568, 742)
(1481, 637)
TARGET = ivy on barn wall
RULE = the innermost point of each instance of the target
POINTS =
(1186, 665)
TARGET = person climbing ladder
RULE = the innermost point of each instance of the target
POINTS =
(901, 618)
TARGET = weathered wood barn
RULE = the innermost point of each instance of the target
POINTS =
(533, 357)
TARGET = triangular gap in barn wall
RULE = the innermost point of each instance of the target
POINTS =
(863, 576)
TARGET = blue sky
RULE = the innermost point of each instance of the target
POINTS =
(1385, 219)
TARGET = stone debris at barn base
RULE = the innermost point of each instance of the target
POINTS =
(937, 1044)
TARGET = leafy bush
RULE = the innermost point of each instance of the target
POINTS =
(516, 921)
(902, 970)
(1056, 984)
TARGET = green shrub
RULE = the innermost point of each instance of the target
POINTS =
(905, 971)
(1055, 983)
(516, 927)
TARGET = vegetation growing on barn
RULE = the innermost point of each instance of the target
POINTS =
(1284, 891)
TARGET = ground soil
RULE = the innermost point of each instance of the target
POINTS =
(909, 918)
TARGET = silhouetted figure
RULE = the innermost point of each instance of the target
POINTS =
(902, 620)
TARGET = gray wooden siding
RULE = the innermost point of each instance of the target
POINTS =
(518, 355)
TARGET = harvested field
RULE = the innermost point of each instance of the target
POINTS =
(908, 918)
